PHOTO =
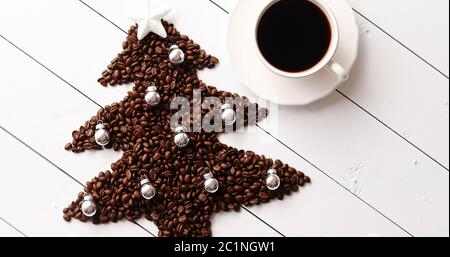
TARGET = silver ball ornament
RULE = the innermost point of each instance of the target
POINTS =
(147, 190)
(228, 114)
(211, 184)
(272, 180)
(181, 139)
(101, 135)
(176, 55)
(152, 96)
(88, 206)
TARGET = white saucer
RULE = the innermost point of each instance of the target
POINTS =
(251, 71)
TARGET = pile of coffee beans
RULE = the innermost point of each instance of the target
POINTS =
(181, 207)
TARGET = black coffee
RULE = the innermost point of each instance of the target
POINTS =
(294, 35)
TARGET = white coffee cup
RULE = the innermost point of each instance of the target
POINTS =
(327, 62)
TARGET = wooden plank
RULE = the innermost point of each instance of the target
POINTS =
(402, 91)
(398, 88)
(412, 110)
(54, 120)
(401, 98)
(6, 230)
(371, 221)
(227, 5)
(47, 112)
(215, 38)
(38, 192)
(343, 140)
(422, 26)
(321, 209)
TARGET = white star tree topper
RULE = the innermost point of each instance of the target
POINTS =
(152, 21)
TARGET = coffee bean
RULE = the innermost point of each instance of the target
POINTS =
(181, 206)
(66, 217)
(307, 180)
(116, 74)
(182, 219)
(90, 133)
(68, 146)
(202, 197)
(125, 198)
(214, 60)
(294, 180)
(263, 195)
(76, 135)
(159, 50)
(301, 181)
(248, 160)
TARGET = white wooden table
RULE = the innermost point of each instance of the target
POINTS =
(377, 149)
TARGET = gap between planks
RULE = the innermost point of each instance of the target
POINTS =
(75, 87)
(54, 165)
(11, 225)
(290, 149)
(347, 97)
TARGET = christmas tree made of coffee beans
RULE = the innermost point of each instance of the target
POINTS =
(176, 179)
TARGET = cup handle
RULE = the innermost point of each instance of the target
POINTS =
(337, 70)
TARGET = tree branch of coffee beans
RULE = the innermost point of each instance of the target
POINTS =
(178, 188)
